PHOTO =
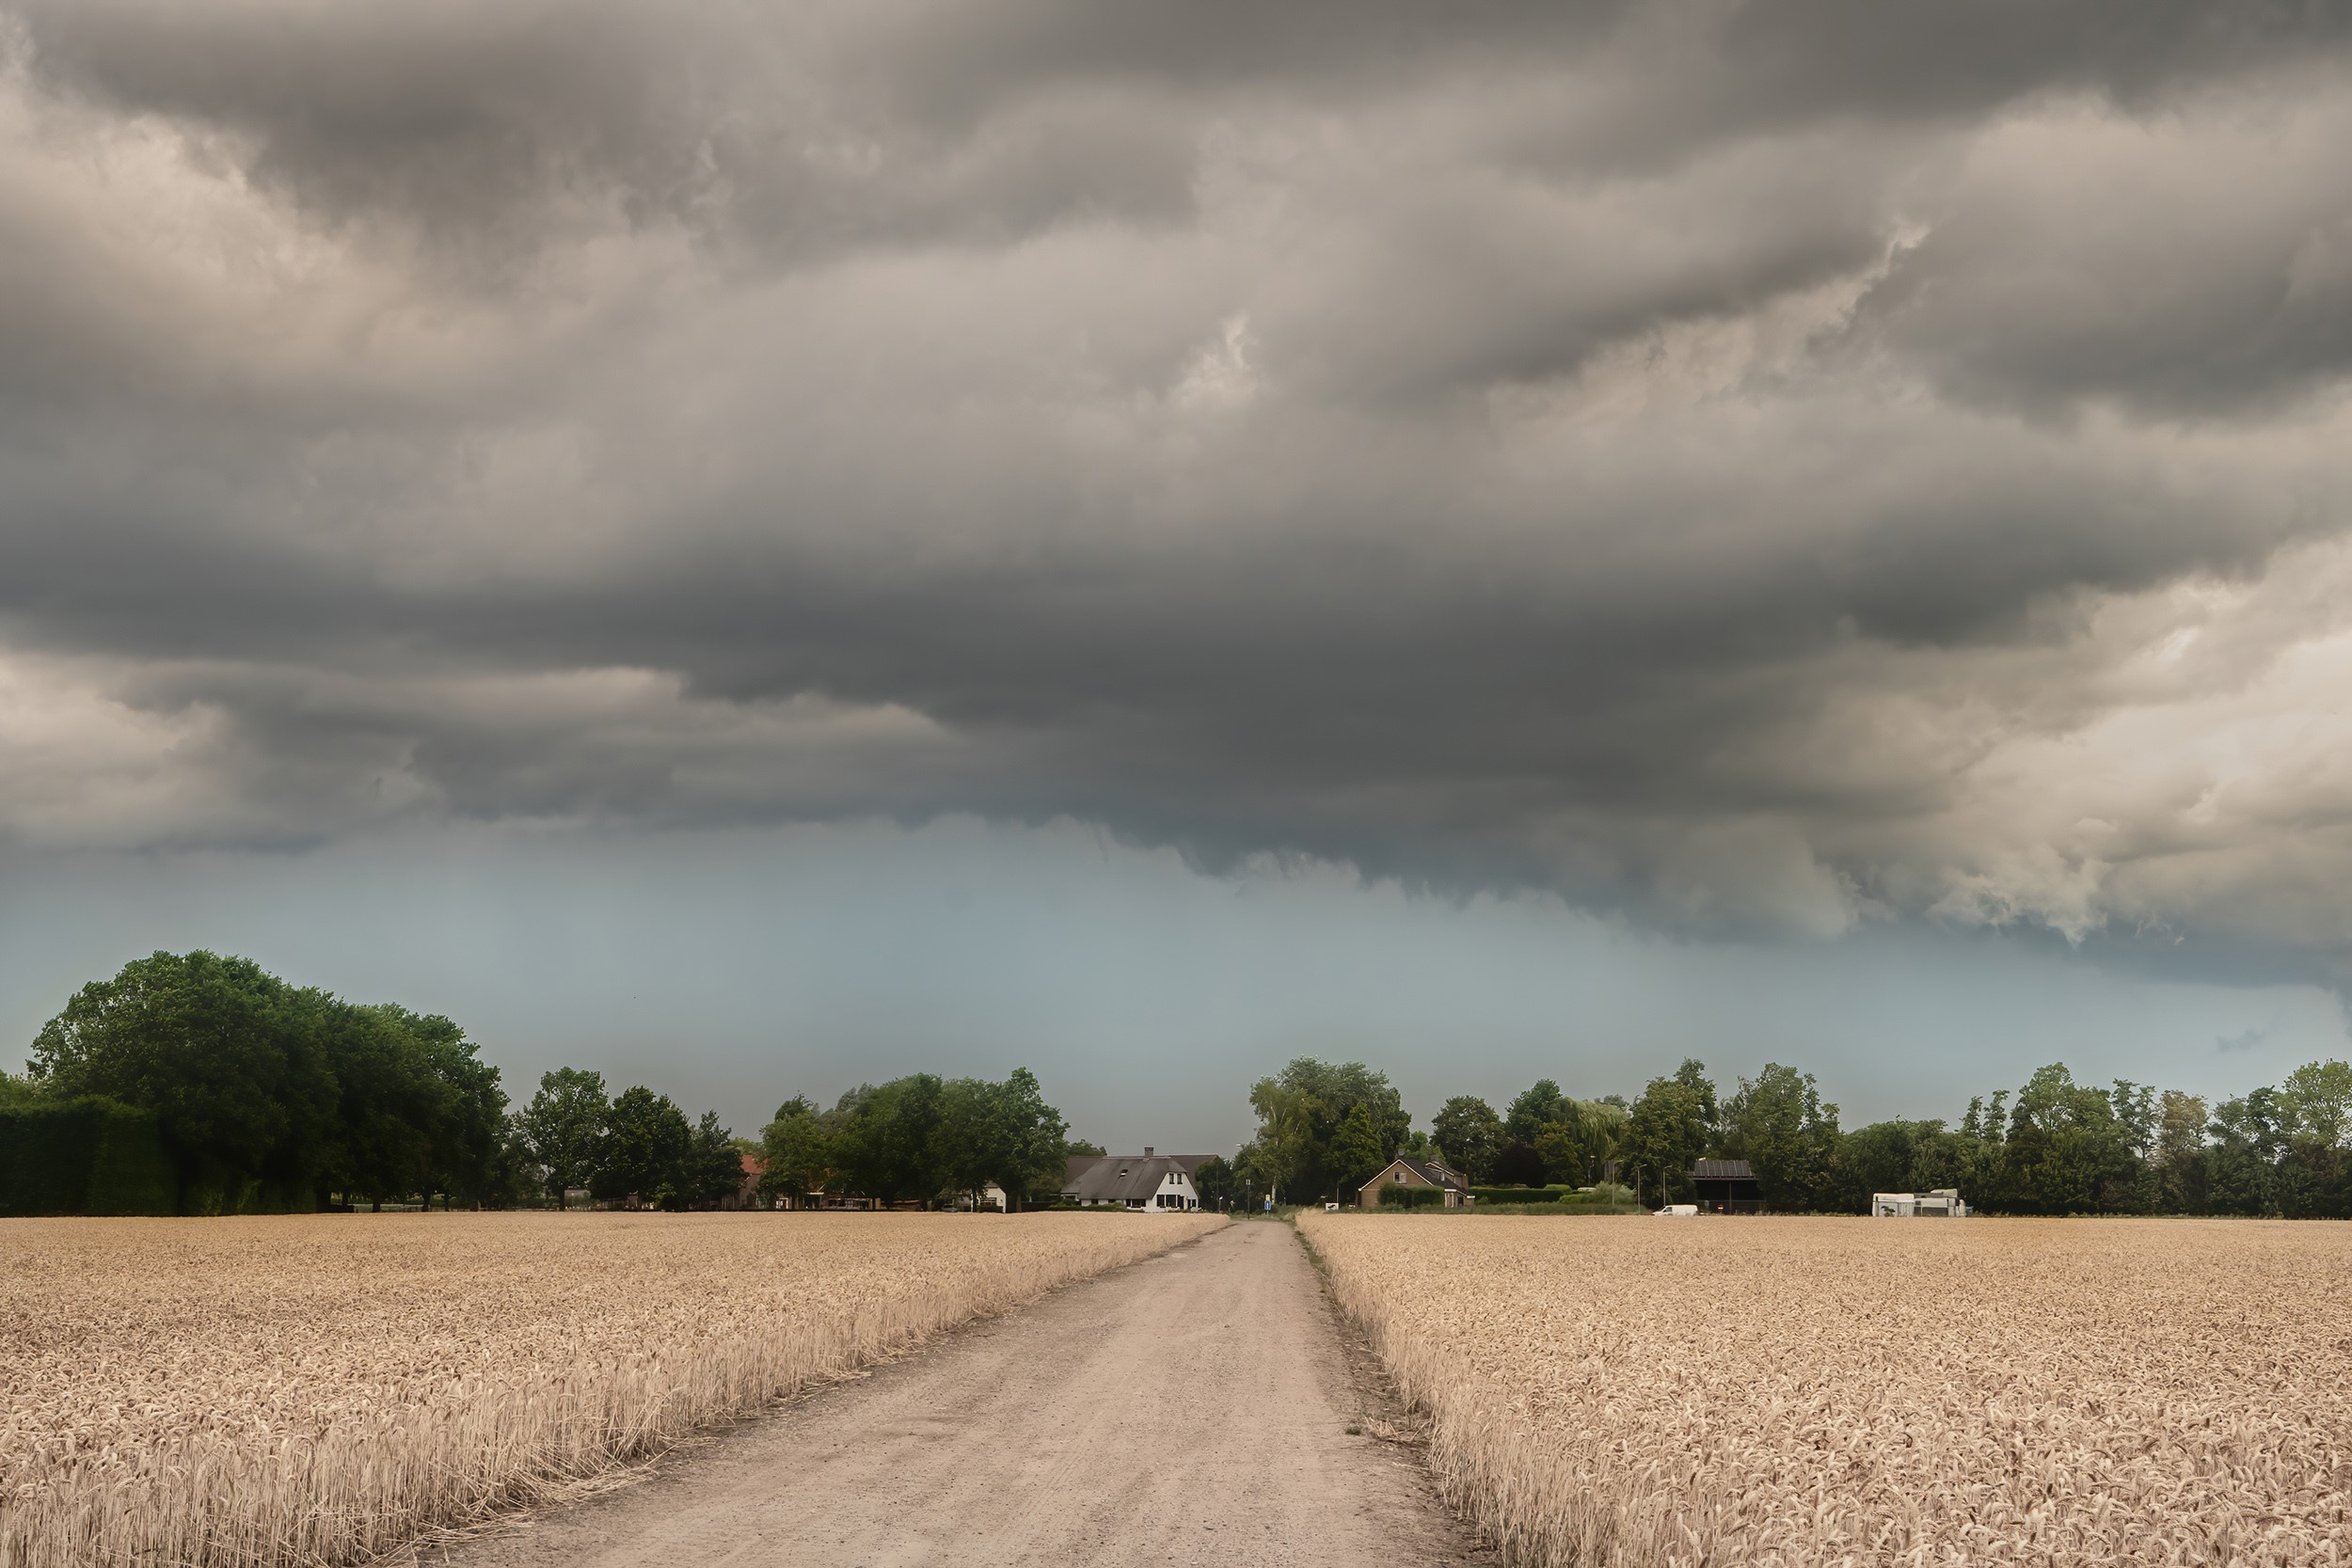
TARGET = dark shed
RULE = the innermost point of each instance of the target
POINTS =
(1727, 1187)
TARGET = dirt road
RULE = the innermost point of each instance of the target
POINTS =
(1189, 1409)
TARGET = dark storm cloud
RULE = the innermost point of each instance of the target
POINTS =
(1753, 467)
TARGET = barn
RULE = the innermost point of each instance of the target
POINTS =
(1727, 1187)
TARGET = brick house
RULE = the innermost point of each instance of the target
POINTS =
(1418, 1173)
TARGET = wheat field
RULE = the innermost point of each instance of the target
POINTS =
(1773, 1393)
(325, 1389)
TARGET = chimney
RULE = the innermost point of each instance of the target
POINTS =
(1146, 1151)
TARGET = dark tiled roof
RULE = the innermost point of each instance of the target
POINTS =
(1118, 1178)
(1436, 1174)
(1428, 1170)
(1722, 1170)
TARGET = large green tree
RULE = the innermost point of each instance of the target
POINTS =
(2179, 1156)
(1779, 1125)
(1580, 1139)
(1256, 1176)
(1300, 1111)
(712, 1170)
(1468, 1135)
(1669, 1128)
(392, 1106)
(2068, 1152)
(2250, 1138)
(1220, 1187)
(1356, 1156)
(225, 1055)
(563, 1127)
(644, 1150)
(1007, 1134)
(467, 1136)
(888, 1143)
(2315, 1100)
(1538, 1106)
(797, 1148)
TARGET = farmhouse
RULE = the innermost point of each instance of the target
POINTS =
(1417, 1173)
(746, 1193)
(1147, 1182)
(1942, 1203)
(1727, 1187)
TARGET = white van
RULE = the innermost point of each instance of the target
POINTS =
(1678, 1210)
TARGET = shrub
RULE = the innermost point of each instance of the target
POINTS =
(1396, 1194)
(86, 1156)
(1521, 1194)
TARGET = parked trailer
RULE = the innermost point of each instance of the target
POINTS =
(1943, 1203)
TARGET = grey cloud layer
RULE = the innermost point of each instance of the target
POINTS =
(1754, 467)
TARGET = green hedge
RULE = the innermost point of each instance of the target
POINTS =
(1521, 1194)
(1396, 1194)
(84, 1156)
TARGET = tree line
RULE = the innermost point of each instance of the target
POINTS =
(272, 1097)
(919, 1138)
(2053, 1146)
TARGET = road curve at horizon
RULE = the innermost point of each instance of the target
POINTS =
(1192, 1408)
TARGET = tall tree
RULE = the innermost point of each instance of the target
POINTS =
(797, 1148)
(1668, 1129)
(712, 1170)
(1518, 1165)
(391, 1106)
(563, 1127)
(1302, 1107)
(1469, 1136)
(2068, 1152)
(887, 1138)
(1256, 1176)
(1285, 1148)
(975, 1137)
(1780, 1126)
(1004, 1134)
(1219, 1188)
(1356, 1156)
(214, 1046)
(2315, 1103)
(1539, 1106)
(1576, 1146)
(643, 1154)
(1693, 1076)
(467, 1135)
(2249, 1134)
(2180, 1153)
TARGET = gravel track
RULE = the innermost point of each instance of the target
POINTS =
(1192, 1408)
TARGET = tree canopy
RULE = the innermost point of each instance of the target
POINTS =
(1301, 1111)
(919, 1138)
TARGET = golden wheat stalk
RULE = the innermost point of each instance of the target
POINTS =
(252, 1393)
(1641, 1393)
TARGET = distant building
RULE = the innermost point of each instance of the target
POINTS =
(1727, 1187)
(1943, 1203)
(1147, 1182)
(746, 1193)
(990, 1196)
(1418, 1173)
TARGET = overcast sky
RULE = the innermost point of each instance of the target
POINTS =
(761, 546)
